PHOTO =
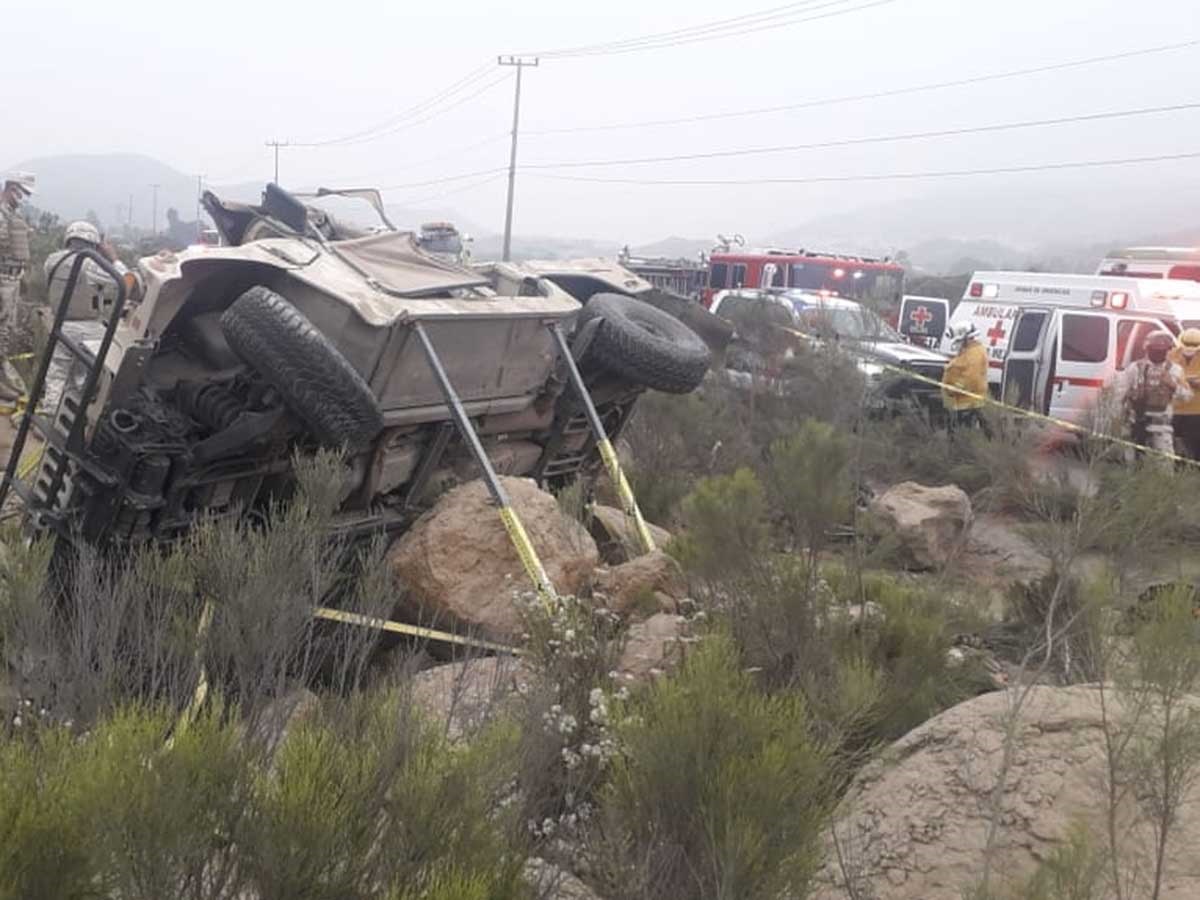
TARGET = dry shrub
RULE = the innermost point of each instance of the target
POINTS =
(566, 743)
(85, 631)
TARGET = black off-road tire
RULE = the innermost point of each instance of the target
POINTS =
(646, 345)
(318, 384)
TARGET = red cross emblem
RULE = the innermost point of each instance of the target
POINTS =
(996, 332)
(921, 317)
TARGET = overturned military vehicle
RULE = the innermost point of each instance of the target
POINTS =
(299, 332)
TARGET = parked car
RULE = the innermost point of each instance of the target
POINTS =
(770, 324)
(299, 332)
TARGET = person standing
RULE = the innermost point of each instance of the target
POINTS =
(968, 372)
(1186, 422)
(14, 260)
(1148, 389)
(89, 305)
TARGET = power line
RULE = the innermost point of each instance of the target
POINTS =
(712, 31)
(774, 12)
(889, 176)
(875, 95)
(429, 198)
(444, 180)
(413, 123)
(878, 139)
(425, 105)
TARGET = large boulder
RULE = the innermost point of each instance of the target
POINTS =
(653, 647)
(460, 568)
(930, 525)
(914, 824)
(550, 882)
(616, 534)
(643, 586)
(463, 696)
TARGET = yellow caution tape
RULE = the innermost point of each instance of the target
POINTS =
(28, 464)
(200, 694)
(529, 558)
(625, 493)
(1015, 410)
(1042, 417)
(446, 637)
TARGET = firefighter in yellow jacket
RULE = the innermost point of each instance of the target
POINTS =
(1186, 420)
(968, 370)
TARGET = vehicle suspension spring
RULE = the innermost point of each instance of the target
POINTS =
(215, 406)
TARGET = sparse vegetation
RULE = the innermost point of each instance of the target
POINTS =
(718, 780)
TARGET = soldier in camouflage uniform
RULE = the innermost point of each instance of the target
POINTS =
(14, 260)
(89, 305)
(1148, 389)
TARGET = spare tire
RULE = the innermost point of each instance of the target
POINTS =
(318, 384)
(645, 345)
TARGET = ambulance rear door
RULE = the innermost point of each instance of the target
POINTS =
(1030, 358)
(1084, 360)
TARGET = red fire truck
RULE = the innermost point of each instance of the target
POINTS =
(877, 282)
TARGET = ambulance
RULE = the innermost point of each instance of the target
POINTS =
(1054, 340)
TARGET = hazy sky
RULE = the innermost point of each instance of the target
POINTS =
(201, 85)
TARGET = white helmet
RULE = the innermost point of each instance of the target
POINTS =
(82, 231)
(961, 332)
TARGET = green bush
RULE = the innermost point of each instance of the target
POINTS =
(810, 482)
(719, 791)
(362, 799)
(114, 814)
(367, 798)
(908, 639)
(726, 529)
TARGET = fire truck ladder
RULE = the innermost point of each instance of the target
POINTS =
(64, 434)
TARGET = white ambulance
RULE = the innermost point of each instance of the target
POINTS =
(1054, 340)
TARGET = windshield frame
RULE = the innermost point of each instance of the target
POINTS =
(872, 327)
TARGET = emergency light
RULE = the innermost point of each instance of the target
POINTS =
(1098, 298)
(976, 289)
(1118, 300)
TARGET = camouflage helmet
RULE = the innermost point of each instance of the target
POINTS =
(25, 181)
(82, 231)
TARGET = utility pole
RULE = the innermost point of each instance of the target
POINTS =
(129, 221)
(277, 145)
(154, 215)
(520, 62)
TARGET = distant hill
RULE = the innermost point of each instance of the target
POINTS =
(675, 248)
(72, 185)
